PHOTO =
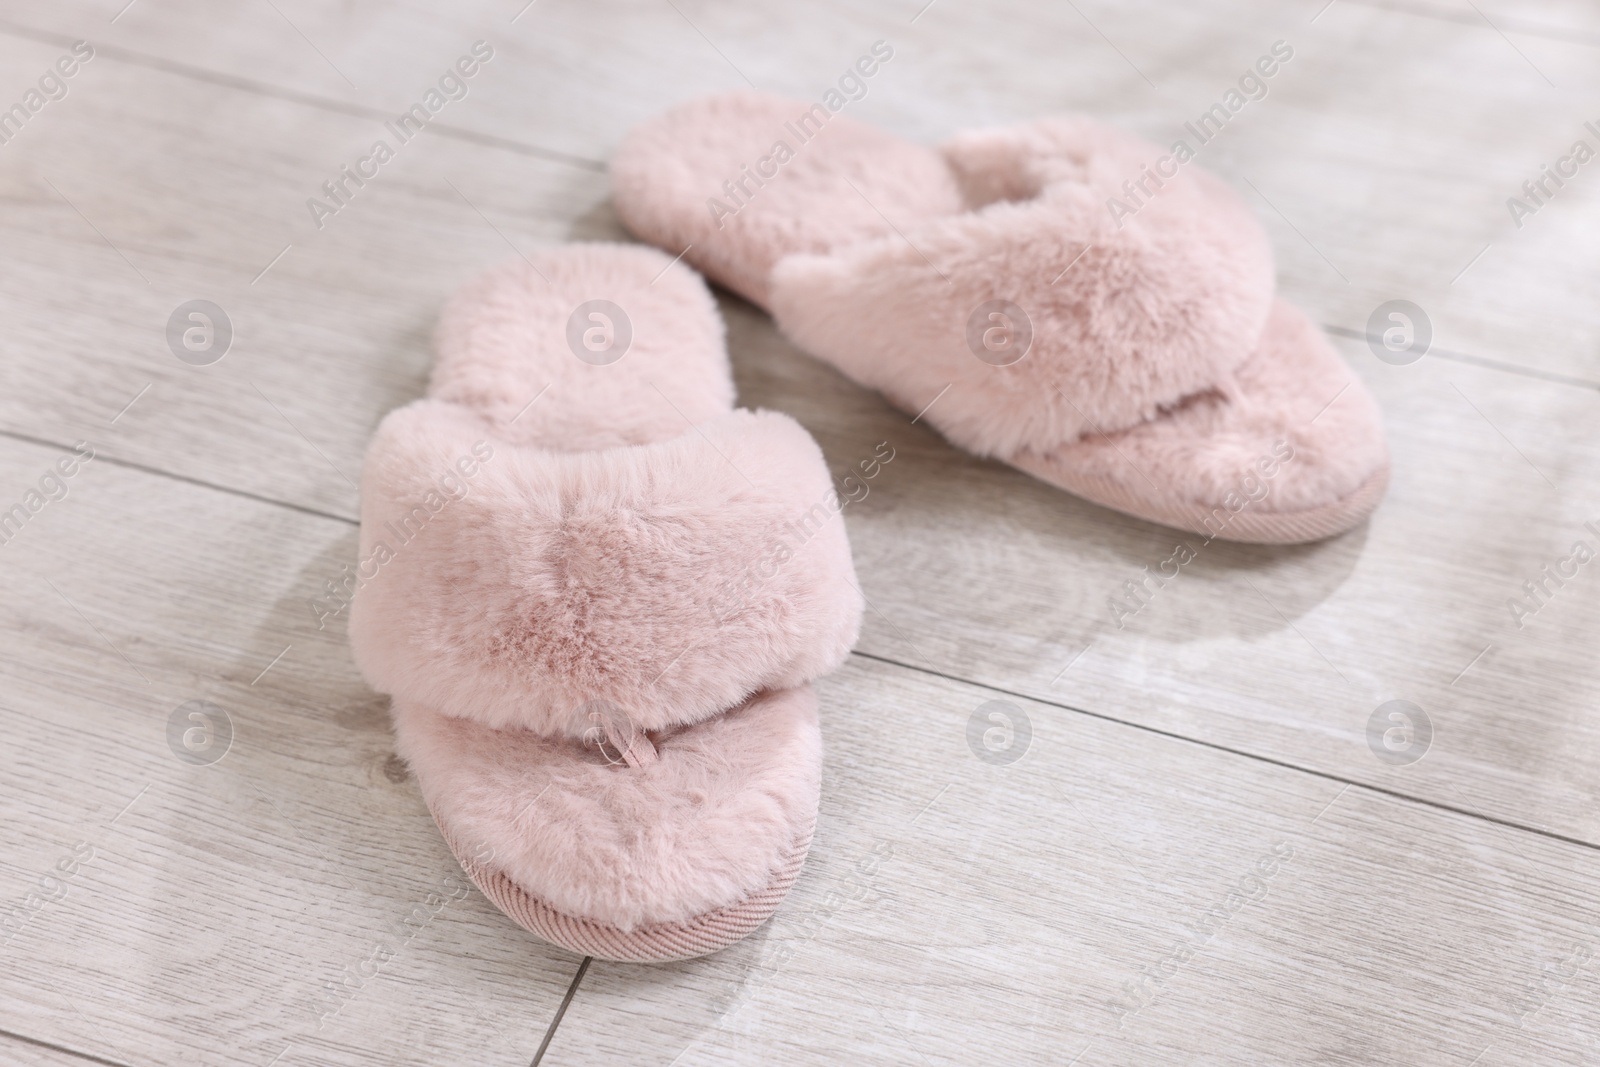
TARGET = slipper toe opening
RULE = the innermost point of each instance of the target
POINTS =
(706, 827)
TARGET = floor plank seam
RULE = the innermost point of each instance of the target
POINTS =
(132, 465)
(1340, 331)
(64, 1050)
(1397, 794)
(1219, 747)
(566, 1001)
(1462, 18)
(324, 103)
(1480, 361)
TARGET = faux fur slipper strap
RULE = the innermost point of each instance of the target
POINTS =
(1003, 252)
(595, 594)
(1046, 320)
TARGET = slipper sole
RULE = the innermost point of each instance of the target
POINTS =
(1245, 526)
(654, 943)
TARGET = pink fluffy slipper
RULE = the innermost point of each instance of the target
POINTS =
(597, 593)
(1132, 353)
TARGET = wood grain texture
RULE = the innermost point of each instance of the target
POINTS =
(959, 912)
(326, 341)
(23, 1053)
(329, 341)
(211, 906)
(1283, 652)
(1381, 159)
(1431, 914)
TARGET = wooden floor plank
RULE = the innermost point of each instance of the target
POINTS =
(980, 572)
(1382, 158)
(957, 911)
(325, 341)
(162, 908)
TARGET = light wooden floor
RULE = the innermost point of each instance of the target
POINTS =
(1197, 858)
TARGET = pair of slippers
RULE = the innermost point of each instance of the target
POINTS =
(598, 594)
